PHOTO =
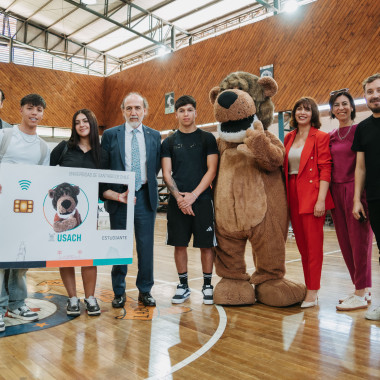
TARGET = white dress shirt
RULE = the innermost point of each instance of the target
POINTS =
(142, 150)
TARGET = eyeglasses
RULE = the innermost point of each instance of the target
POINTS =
(338, 91)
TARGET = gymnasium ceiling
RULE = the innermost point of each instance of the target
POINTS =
(112, 35)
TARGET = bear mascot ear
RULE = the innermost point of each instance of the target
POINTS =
(214, 94)
(269, 86)
(76, 190)
(51, 193)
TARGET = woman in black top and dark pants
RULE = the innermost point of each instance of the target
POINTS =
(83, 151)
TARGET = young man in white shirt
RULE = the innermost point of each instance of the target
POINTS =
(23, 146)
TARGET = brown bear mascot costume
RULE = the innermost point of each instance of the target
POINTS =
(250, 196)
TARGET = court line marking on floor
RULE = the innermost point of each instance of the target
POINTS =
(325, 254)
(214, 338)
(201, 351)
(174, 283)
(286, 262)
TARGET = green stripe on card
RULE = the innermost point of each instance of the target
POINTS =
(113, 261)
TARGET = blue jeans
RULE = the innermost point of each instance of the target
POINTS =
(13, 289)
(144, 219)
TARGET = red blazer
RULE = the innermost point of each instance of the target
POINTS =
(315, 165)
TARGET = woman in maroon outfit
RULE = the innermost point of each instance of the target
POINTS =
(354, 237)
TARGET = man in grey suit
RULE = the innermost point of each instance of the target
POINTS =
(135, 147)
(3, 124)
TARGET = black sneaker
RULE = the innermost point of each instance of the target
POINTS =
(92, 306)
(182, 294)
(23, 313)
(73, 307)
(119, 301)
(208, 294)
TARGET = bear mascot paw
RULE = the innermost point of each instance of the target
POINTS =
(234, 292)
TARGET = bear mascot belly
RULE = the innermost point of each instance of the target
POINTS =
(229, 197)
(250, 196)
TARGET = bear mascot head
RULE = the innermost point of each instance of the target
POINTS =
(260, 89)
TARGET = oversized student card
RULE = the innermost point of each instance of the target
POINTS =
(50, 217)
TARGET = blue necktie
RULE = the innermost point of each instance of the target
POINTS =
(136, 160)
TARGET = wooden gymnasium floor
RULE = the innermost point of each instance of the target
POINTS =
(194, 341)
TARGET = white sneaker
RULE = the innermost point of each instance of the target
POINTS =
(368, 297)
(92, 306)
(353, 303)
(208, 294)
(373, 314)
(73, 307)
(2, 324)
(182, 294)
(23, 313)
(345, 297)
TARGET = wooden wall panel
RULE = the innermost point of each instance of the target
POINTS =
(327, 45)
(63, 92)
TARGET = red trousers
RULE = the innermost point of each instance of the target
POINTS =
(308, 231)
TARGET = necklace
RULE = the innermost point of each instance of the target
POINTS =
(26, 139)
(342, 138)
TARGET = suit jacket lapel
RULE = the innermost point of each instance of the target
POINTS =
(307, 149)
(121, 140)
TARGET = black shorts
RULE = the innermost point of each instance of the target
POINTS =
(181, 226)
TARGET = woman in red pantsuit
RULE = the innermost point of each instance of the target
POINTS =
(307, 168)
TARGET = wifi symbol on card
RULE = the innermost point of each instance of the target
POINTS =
(24, 184)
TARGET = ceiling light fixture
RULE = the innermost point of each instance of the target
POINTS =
(163, 50)
(290, 6)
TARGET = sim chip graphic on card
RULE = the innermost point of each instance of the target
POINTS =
(23, 206)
